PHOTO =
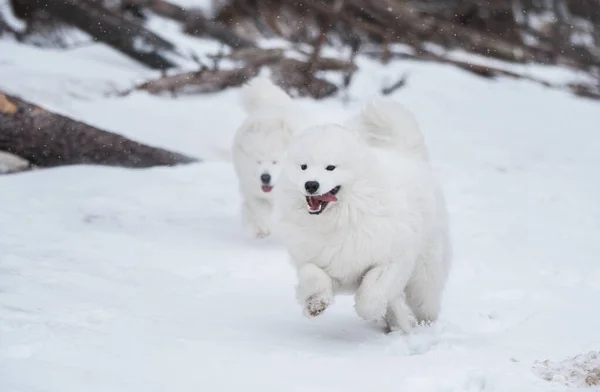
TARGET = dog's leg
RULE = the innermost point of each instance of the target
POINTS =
(378, 286)
(426, 286)
(256, 213)
(315, 289)
(397, 318)
(424, 297)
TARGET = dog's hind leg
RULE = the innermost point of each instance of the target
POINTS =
(424, 302)
(426, 286)
(379, 286)
(397, 316)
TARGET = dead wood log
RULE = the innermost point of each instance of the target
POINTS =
(333, 64)
(256, 57)
(200, 82)
(290, 74)
(48, 139)
(110, 28)
(295, 76)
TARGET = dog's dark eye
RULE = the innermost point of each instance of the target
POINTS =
(274, 162)
(303, 167)
(330, 168)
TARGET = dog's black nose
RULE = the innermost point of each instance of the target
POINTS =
(265, 178)
(311, 186)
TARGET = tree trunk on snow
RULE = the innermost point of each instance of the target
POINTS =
(290, 74)
(48, 139)
(201, 82)
(110, 28)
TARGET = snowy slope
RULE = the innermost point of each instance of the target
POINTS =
(143, 280)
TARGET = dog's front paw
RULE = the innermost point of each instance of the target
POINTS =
(262, 232)
(370, 306)
(316, 304)
(260, 229)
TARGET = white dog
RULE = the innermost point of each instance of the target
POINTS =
(259, 148)
(362, 213)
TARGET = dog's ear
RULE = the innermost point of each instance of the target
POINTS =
(287, 128)
(268, 126)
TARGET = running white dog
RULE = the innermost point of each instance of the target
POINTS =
(361, 212)
(259, 148)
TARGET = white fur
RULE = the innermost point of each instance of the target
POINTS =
(386, 238)
(259, 147)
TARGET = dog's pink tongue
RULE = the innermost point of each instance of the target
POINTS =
(267, 188)
(326, 197)
(314, 204)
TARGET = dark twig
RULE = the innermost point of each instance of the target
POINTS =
(398, 85)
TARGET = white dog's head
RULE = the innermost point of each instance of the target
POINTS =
(326, 167)
(260, 148)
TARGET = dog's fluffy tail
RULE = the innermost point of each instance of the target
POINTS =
(262, 94)
(385, 123)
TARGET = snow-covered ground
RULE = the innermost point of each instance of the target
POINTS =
(143, 280)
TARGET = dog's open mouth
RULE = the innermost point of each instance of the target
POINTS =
(267, 188)
(317, 204)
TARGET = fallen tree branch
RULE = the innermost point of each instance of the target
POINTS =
(257, 57)
(333, 64)
(48, 139)
(200, 82)
(112, 29)
(398, 85)
(289, 74)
